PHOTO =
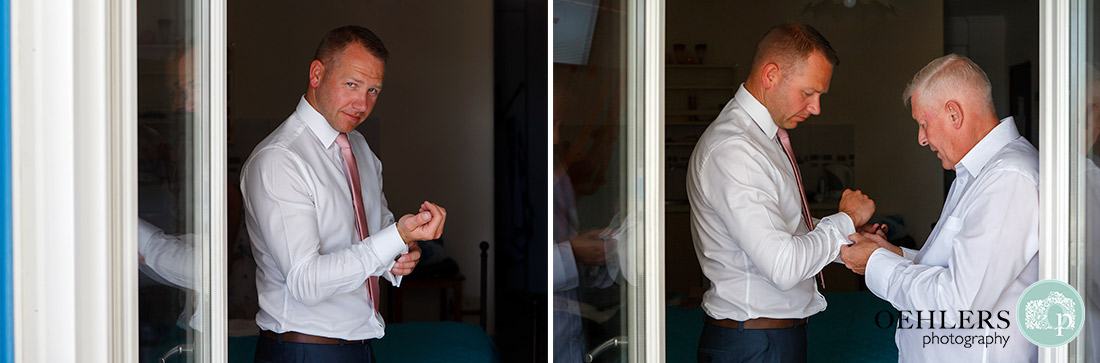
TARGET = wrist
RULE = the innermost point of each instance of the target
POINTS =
(404, 238)
(852, 216)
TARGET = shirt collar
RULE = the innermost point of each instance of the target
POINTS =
(756, 110)
(316, 122)
(994, 141)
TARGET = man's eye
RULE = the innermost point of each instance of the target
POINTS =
(350, 84)
(372, 90)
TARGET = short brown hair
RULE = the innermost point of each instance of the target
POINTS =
(790, 45)
(338, 39)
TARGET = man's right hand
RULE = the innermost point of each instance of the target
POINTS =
(878, 229)
(588, 248)
(857, 206)
(426, 225)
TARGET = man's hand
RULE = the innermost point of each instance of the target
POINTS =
(855, 256)
(857, 206)
(426, 225)
(588, 248)
(881, 241)
(877, 229)
(407, 262)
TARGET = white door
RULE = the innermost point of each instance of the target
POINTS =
(102, 143)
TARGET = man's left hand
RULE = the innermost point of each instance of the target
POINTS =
(426, 224)
(407, 262)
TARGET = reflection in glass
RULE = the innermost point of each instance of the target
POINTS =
(1089, 175)
(168, 178)
(594, 240)
(1085, 160)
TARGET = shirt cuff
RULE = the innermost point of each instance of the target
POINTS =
(395, 280)
(843, 225)
(145, 233)
(565, 267)
(880, 266)
(387, 245)
(909, 253)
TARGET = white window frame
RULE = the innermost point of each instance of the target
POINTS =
(653, 108)
(646, 190)
(1055, 34)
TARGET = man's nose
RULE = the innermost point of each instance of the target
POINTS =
(922, 140)
(360, 103)
(815, 106)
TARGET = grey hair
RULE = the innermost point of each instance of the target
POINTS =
(947, 73)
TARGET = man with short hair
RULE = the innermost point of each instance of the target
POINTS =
(754, 237)
(984, 251)
(320, 226)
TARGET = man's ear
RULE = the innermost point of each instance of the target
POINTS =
(769, 75)
(954, 113)
(316, 71)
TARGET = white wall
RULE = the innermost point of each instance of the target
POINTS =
(878, 56)
(432, 126)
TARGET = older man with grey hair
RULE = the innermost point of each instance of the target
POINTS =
(958, 294)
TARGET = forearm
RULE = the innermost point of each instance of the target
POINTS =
(797, 258)
(317, 277)
(170, 257)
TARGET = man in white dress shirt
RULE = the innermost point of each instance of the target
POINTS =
(751, 228)
(984, 250)
(317, 268)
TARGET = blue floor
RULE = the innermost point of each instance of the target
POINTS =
(410, 342)
(844, 332)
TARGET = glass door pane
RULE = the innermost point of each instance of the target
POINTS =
(1085, 175)
(173, 180)
(598, 180)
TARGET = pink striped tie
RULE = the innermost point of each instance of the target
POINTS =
(360, 213)
(786, 141)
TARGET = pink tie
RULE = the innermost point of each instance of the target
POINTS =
(360, 213)
(786, 141)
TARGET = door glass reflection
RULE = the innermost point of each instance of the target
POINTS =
(1086, 158)
(594, 241)
(1088, 175)
(168, 178)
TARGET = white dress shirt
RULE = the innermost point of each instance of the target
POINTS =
(311, 266)
(569, 345)
(747, 224)
(982, 254)
(570, 275)
(169, 257)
